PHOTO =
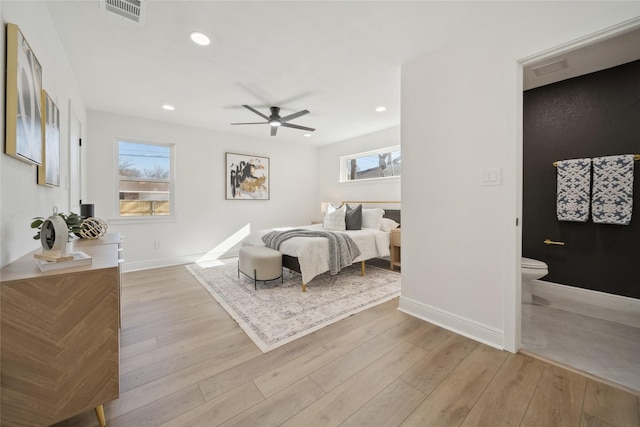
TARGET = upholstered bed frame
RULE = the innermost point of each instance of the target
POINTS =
(292, 263)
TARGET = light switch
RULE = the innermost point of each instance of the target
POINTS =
(491, 177)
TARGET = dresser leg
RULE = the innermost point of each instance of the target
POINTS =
(100, 415)
(362, 268)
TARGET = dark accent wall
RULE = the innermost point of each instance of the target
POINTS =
(589, 116)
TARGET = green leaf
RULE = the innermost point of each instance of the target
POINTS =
(74, 220)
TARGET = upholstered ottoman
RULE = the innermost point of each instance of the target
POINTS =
(260, 263)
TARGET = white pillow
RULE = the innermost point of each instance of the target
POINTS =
(334, 218)
(372, 217)
(387, 224)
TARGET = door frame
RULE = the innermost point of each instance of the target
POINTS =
(513, 315)
(75, 162)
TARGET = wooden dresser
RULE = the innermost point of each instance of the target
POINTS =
(395, 247)
(60, 336)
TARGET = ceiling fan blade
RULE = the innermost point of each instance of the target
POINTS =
(274, 130)
(289, 125)
(248, 107)
(253, 123)
(294, 116)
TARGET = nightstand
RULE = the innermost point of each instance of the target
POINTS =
(317, 221)
(395, 248)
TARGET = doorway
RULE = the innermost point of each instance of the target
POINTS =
(553, 330)
(75, 162)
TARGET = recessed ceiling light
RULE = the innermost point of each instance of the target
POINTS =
(168, 107)
(199, 38)
(307, 135)
(381, 108)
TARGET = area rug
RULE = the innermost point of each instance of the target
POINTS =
(278, 313)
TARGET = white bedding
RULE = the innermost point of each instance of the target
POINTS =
(313, 252)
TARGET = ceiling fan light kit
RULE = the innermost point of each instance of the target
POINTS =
(275, 120)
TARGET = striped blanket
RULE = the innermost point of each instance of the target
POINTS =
(342, 249)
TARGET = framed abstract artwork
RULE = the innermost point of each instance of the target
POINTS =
(246, 177)
(49, 171)
(23, 138)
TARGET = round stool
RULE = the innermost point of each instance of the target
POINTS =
(260, 263)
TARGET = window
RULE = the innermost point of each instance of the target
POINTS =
(145, 179)
(383, 163)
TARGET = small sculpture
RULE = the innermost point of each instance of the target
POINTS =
(54, 233)
(93, 228)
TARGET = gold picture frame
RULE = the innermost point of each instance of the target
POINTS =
(23, 135)
(49, 171)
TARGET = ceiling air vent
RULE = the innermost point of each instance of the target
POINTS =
(130, 9)
(550, 68)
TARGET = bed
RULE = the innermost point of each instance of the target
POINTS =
(309, 256)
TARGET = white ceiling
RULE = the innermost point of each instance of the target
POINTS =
(340, 60)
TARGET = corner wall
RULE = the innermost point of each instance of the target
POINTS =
(205, 223)
(329, 186)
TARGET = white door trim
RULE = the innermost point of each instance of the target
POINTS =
(513, 318)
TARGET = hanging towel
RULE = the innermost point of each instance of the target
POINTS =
(573, 185)
(612, 200)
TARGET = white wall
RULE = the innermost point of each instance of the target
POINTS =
(21, 197)
(330, 189)
(461, 111)
(205, 222)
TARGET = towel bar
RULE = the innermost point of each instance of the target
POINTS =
(551, 242)
(636, 157)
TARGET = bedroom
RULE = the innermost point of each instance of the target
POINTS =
(446, 93)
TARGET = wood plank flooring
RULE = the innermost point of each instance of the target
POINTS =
(185, 362)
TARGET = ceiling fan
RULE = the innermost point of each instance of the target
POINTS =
(275, 121)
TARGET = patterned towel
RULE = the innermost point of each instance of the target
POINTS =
(574, 182)
(342, 249)
(612, 189)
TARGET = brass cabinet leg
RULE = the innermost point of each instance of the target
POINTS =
(100, 415)
(362, 268)
(304, 288)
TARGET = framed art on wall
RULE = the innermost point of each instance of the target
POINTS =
(23, 139)
(246, 177)
(49, 171)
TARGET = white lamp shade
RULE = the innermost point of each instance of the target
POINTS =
(323, 206)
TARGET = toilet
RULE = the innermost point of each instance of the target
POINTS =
(532, 269)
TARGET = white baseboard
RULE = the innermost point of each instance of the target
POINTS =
(129, 266)
(614, 308)
(468, 328)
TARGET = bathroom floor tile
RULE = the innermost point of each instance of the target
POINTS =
(606, 349)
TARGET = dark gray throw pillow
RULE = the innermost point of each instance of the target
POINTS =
(353, 218)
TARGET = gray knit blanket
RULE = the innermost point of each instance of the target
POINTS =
(342, 249)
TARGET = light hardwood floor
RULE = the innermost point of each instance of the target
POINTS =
(185, 362)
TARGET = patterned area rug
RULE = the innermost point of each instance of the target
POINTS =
(278, 313)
